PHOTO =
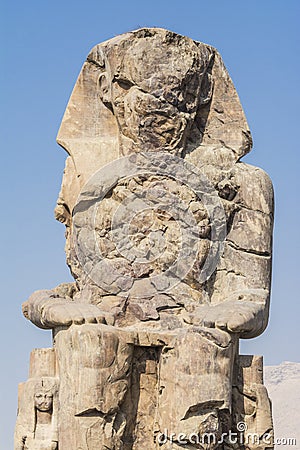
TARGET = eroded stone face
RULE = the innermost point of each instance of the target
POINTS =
(168, 237)
(154, 103)
(43, 401)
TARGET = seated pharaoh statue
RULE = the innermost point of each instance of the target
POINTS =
(168, 238)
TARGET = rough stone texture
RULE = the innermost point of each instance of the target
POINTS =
(170, 248)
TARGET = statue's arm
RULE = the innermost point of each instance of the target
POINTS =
(249, 251)
(241, 288)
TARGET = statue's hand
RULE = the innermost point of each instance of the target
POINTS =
(46, 310)
(243, 317)
(66, 313)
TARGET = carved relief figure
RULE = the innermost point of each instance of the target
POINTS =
(37, 420)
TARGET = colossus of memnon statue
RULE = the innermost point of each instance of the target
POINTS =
(169, 239)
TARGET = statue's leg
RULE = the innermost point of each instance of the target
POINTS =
(94, 366)
(195, 389)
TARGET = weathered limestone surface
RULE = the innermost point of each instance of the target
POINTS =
(169, 239)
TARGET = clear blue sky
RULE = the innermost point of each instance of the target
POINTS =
(43, 45)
